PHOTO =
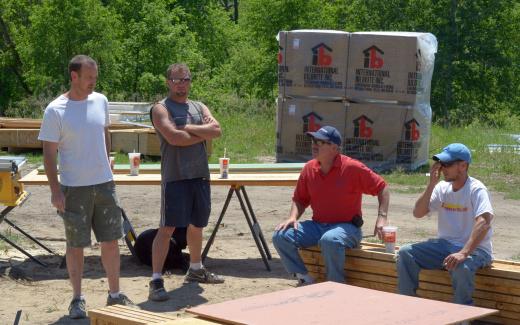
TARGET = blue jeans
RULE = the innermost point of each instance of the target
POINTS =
(430, 255)
(332, 238)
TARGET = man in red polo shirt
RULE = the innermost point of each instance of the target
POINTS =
(333, 185)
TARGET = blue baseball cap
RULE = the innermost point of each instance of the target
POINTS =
(327, 133)
(453, 152)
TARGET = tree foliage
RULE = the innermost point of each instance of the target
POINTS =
(476, 68)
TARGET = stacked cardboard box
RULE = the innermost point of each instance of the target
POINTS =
(373, 87)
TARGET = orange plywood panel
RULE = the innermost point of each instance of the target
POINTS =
(335, 303)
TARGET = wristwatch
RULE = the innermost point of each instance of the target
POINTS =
(382, 214)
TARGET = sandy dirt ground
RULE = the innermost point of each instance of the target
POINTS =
(43, 294)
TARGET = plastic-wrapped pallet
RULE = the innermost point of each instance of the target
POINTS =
(392, 67)
(313, 64)
(374, 87)
(383, 136)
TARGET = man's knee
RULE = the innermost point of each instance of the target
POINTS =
(330, 240)
(462, 272)
(405, 252)
(164, 234)
(279, 238)
(110, 244)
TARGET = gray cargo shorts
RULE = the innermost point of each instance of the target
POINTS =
(93, 207)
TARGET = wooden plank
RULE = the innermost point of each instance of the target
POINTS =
(123, 315)
(499, 269)
(502, 301)
(478, 302)
(373, 273)
(21, 123)
(149, 143)
(263, 179)
(487, 283)
(20, 138)
(124, 140)
(499, 320)
(214, 168)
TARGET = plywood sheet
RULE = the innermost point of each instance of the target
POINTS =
(334, 303)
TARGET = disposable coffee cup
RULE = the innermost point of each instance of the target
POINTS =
(224, 167)
(135, 161)
(389, 235)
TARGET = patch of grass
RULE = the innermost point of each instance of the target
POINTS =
(374, 240)
(14, 237)
(407, 189)
(54, 307)
(499, 171)
(247, 137)
(33, 156)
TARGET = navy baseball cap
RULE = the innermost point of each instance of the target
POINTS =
(453, 152)
(327, 133)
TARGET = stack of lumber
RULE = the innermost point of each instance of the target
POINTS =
(23, 133)
(19, 133)
(27, 123)
(144, 141)
(125, 137)
(122, 315)
(497, 287)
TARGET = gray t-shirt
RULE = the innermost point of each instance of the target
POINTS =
(183, 162)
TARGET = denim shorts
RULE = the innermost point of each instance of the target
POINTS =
(185, 202)
(93, 207)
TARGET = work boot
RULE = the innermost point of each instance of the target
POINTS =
(121, 300)
(202, 276)
(77, 308)
(156, 291)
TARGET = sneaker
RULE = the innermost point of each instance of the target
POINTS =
(156, 291)
(77, 308)
(121, 300)
(303, 283)
(202, 276)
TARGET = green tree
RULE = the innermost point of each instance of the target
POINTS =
(155, 36)
(60, 29)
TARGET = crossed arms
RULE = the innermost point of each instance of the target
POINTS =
(190, 133)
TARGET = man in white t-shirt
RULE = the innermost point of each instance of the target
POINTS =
(75, 125)
(464, 212)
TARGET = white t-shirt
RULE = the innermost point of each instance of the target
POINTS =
(79, 129)
(458, 210)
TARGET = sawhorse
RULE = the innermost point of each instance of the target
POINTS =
(3, 215)
(254, 226)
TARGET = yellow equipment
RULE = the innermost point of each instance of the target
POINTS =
(11, 191)
(12, 195)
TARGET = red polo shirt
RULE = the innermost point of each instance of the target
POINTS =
(336, 197)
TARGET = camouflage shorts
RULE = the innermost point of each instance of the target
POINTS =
(93, 207)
